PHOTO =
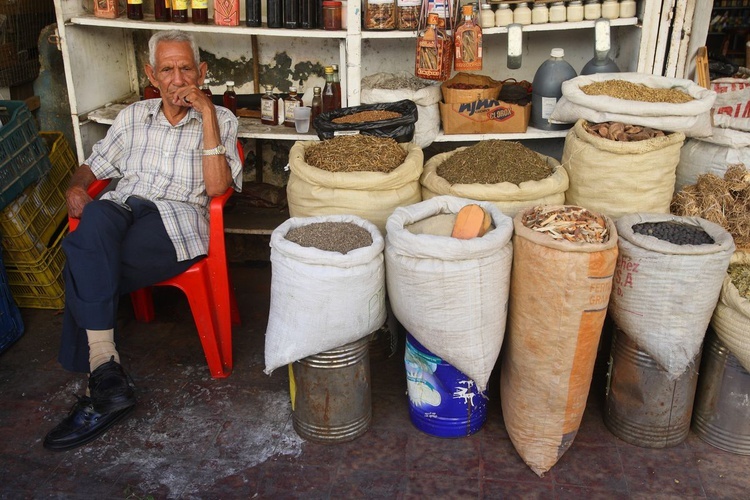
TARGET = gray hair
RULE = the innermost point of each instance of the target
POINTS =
(171, 36)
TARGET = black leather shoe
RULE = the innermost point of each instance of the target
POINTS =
(110, 388)
(82, 425)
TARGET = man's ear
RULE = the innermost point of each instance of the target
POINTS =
(150, 74)
(202, 70)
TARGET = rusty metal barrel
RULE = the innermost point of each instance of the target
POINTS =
(722, 403)
(643, 406)
(332, 395)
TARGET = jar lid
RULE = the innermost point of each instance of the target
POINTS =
(557, 53)
(230, 83)
(331, 3)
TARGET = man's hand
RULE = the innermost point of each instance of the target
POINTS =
(193, 97)
(76, 197)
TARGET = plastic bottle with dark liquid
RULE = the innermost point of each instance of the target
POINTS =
(329, 95)
(179, 11)
(252, 11)
(269, 107)
(205, 89)
(200, 11)
(135, 9)
(162, 10)
(336, 86)
(275, 14)
(151, 92)
(230, 98)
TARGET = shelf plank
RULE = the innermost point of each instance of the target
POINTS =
(531, 133)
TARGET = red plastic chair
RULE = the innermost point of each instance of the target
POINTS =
(206, 285)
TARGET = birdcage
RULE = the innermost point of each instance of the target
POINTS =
(21, 21)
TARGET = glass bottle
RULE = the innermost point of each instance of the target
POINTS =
(407, 14)
(610, 9)
(275, 14)
(503, 15)
(135, 9)
(227, 12)
(162, 10)
(108, 9)
(329, 98)
(316, 105)
(179, 11)
(336, 86)
(205, 88)
(379, 14)
(540, 14)
(308, 13)
(200, 11)
(486, 16)
(230, 98)
(627, 8)
(291, 102)
(574, 12)
(269, 107)
(592, 9)
(291, 16)
(151, 92)
(522, 14)
(252, 11)
(468, 41)
(557, 12)
(434, 55)
(331, 15)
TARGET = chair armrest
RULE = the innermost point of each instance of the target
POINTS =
(216, 222)
(93, 190)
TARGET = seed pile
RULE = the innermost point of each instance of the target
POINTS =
(492, 162)
(677, 233)
(342, 237)
(617, 131)
(367, 116)
(356, 153)
(740, 276)
(622, 89)
(571, 223)
(725, 202)
(397, 82)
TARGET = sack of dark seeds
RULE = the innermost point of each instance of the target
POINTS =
(667, 281)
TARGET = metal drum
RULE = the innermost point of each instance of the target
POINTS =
(443, 402)
(332, 394)
(383, 343)
(643, 406)
(722, 403)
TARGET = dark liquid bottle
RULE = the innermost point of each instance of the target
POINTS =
(329, 97)
(316, 105)
(200, 11)
(230, 98)
(151, 92)
(308, 13)
(269, 107)
(135, 9)
(252, 10)
(162, 10)
(204, 87)
(291, 102)
(336, 85)
(275, 14)
(179, 11)
(291, 14)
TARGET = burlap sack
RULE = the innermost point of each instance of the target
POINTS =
(731, 318)
(559, 295)
(704, 156)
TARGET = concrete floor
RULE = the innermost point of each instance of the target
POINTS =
(195, 437)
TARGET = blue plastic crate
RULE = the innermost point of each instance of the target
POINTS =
(23, 152)
(11, 324)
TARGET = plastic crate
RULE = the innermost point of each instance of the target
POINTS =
(29, 222)
(40, 285)
(11, 323)
(23, 154)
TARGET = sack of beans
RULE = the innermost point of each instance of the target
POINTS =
(618, 177)
(390, 87)
(667, 283)
(355, 174)
(327, 286)
(563, 260)
(451, 294)
(673, 104)
(710, 155)
(506, 173)
(731, 318)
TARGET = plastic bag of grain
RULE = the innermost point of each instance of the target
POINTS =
(693, 117)
(507, 196)
(312, 191)
(321, 299)
(618, 177)
(558, 302)
(450, 294)
(731, 318)
(664, 293)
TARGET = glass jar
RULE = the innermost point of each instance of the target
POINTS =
(407, 14)
(380, 14)
(627, 8)
(486, 16)
(557, 12)
(592, 9)
(522, 14)
(610, 9)
(540, 14)
(331, 15)
(503, 15)
(574, 11)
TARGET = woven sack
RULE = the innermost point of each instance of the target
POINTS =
(731, 318)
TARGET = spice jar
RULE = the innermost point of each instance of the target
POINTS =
(610, 9)
(380, 14)
(407, 13)
(557, 12)
(574, 12)
(503, 15)
(331, 15)
(522, 14)
(540, 14)
(627, 8)
(592, 9)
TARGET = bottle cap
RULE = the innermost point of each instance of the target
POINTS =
(467, 10)
(268, 87)
(316, 90)
(432, 18)
(206, 81)
(557, 53)
(230, 83)
(331, 3)
(335, 67)
(329, 70)
(292, 89)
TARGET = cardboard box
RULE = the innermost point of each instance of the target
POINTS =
(485, 116)
(458, 95)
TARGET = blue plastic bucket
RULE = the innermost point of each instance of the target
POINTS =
(443, 402)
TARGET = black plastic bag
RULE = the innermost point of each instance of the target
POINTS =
(400, 129)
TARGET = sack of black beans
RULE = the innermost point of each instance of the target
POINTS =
(667, 281)
(674, 104)
(321, 297)
(451, 294)
(620, 177)
(731, 318)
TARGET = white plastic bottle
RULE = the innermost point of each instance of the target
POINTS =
(557, 12)
(592, 10)
(610, 9)
(574, 11)
(627, 8)
(522, 14)
(540, 14)
(503, 15)
(486, 16)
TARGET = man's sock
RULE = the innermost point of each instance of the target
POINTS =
(101, 347)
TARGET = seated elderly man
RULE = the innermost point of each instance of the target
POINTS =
(171, 155)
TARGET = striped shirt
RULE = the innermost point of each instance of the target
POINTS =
(163, 163)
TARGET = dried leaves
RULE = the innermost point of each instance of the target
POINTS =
(623, 89)
(367, 116)
(571, 223)
(740, 276)
(617, 131)
(356, 153)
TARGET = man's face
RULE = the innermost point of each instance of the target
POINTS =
(175, 68)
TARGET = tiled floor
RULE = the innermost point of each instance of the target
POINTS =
(195, 437)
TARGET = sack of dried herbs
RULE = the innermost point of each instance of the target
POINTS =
(731, 318)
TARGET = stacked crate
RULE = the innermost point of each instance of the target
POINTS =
(33, 226)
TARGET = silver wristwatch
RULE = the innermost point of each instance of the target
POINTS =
(218, 150)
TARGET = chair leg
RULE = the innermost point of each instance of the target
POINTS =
(200, 305)
(143, 305)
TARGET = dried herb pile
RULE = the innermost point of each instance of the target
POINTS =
(622, 89)
(723, 201)
(492, 162)
(397, 82)
(342, 237)
(740, 276)
(571, 223)
(356, 153)
(617, 131)
(367, 116)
